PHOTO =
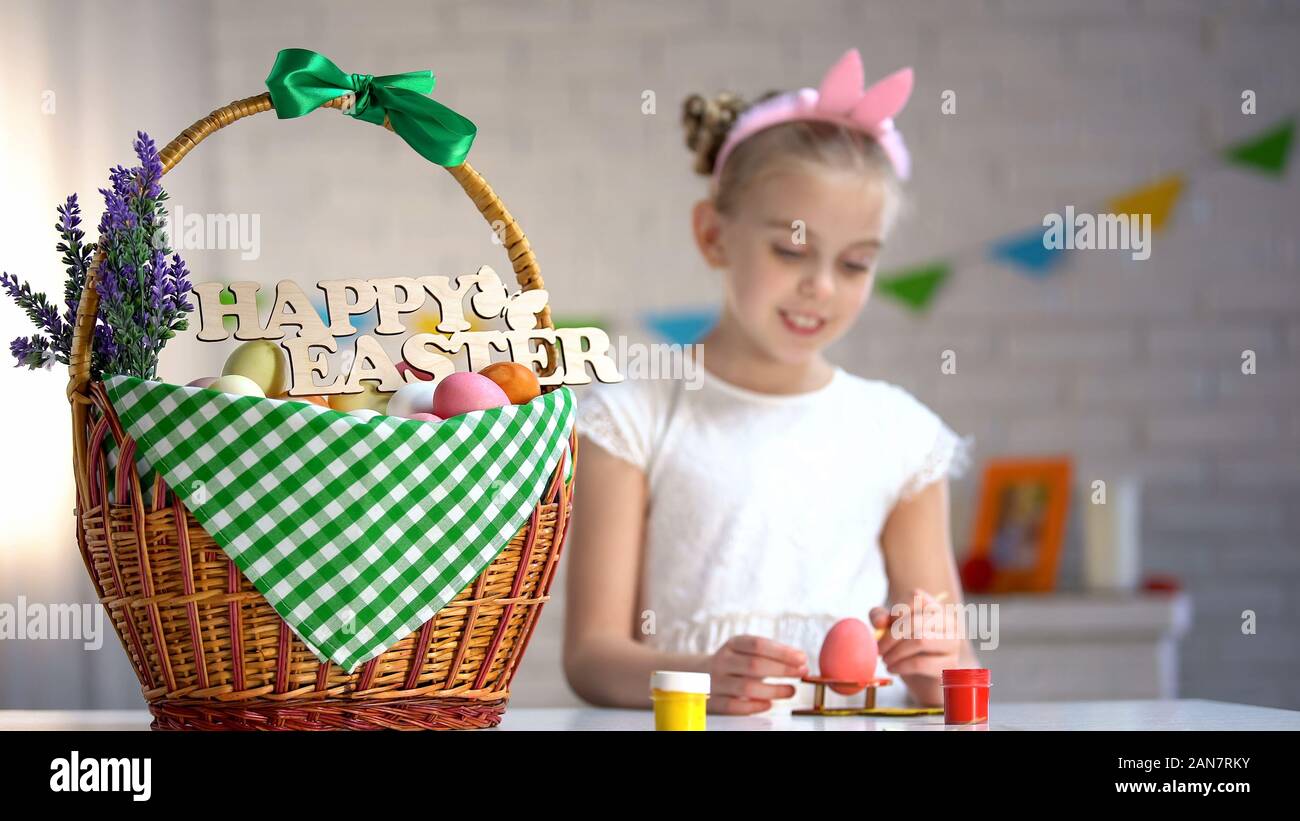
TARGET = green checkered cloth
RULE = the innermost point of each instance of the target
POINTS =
(356, 531)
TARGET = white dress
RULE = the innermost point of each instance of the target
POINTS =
(765, 511)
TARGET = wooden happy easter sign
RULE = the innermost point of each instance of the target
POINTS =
(309, 368)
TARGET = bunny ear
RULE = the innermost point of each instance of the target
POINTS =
(842, 85)
(884, 99)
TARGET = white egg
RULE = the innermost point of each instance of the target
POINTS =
(417, 397)
(234, 383)
(365, 413)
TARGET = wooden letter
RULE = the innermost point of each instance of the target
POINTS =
(340, 310)
(302, 366)
(418, 354)
(212, 313)
(372, 363)
(390, 308)
(576, 357)
(301, 314)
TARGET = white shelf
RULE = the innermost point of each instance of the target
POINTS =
(1079, 646)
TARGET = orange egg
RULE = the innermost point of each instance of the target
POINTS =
(315, 400)
(518, 382)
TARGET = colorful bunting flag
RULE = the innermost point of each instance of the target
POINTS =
(682, 327)
(1030, 252)
(569, 321)
(1268, 152)
(914, 287)
(1157, 199)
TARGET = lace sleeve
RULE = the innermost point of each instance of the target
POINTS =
(949, 455)
(930, 450)
(605, 424)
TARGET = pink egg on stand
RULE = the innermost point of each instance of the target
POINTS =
(849, 653)
(463, 392)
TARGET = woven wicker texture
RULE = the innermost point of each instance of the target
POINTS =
(210, 652)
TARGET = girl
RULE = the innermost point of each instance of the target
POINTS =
(725, 529)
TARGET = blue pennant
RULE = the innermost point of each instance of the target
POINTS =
(682, 327)
(1028, 252)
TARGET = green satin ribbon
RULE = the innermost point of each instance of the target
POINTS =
(301, 81)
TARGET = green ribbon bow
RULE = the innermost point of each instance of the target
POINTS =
(301, 81)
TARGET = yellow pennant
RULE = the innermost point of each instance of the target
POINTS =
(1157, 199)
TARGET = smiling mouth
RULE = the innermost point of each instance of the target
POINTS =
(801, 323)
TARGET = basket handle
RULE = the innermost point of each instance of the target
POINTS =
(527, 271)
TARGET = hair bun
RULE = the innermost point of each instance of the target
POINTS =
(706, 122)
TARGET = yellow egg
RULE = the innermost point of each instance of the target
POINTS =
(262, 361)
(370, 397)
(234, 383)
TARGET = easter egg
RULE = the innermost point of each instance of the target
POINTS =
(369, 397)
(201, 382)
(464, 392)
(365, 413)
(425, 417)
(417, 397)
(404, 367)
(234, 383)
(518, 381)
(261, 361)
(849, 653)
(310, 400)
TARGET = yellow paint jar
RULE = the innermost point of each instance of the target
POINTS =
(679, 699)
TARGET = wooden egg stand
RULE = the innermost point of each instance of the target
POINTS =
(868, 708)
(820, 683)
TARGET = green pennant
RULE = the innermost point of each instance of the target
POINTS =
(1268, 153)
(580, 321)
(915, 287)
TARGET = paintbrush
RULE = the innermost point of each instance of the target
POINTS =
(880, 631)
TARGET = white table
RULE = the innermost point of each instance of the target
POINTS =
(1181, 714)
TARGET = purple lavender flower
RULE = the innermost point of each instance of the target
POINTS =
(142, 293)
(31, 352)
(151, 169)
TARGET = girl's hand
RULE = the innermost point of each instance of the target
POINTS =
(739, 667)
(932, 643)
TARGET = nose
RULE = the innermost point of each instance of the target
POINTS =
(818, 282)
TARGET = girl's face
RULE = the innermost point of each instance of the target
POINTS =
(799, 256)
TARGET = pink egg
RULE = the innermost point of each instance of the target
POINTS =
(202, 382)
(404, 366)
(463, 392)
(849, 654)
(425, 417)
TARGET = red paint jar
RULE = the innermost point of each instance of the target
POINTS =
(965, 696)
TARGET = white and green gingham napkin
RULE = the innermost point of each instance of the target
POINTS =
(356, 531)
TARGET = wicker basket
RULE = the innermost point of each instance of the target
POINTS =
(211, 653)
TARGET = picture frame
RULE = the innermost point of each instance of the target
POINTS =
(1020, 522)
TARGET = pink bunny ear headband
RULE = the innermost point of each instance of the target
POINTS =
(840, 99)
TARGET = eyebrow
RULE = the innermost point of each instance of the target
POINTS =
(786, 225)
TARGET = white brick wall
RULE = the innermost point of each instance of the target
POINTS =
(1132, 367)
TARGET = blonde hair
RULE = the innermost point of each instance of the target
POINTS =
(707, 121)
